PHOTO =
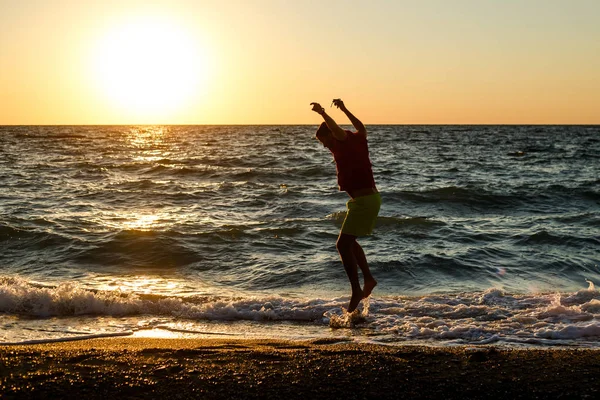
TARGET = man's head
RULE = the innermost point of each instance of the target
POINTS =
(324, 135)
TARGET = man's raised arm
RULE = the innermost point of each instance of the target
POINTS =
(359, 126)
(335, 129)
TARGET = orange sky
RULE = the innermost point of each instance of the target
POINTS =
(263, 62)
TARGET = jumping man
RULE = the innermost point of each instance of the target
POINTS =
(355, 177)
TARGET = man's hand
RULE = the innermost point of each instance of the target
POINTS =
(339, 104)
(317, 108)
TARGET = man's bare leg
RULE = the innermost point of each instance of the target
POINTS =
(345, 245)
(361, 260)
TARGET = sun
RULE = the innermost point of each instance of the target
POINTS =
(149, 67)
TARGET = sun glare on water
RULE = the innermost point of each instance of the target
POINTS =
(149, 68)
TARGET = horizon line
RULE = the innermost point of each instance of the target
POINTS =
(317, 123)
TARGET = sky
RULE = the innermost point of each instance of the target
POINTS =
(71, 62)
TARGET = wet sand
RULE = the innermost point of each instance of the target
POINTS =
(267, 369)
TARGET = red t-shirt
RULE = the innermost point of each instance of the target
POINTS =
(352, 162)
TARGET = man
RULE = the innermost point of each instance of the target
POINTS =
(355, 177)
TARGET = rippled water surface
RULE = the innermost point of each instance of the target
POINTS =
(167, 226)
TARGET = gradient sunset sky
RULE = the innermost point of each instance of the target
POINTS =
(264, 61)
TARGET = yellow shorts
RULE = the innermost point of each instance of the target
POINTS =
(362, 215)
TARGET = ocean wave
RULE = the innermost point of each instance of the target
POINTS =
(9, 232)
(32, 238)
(20, 297)
(592, 195)
(508, 196)
(66, 136)
(177, 170)
(391, 221)
(138, 248)
(491, 316)
(474, 196)
(544, 237)
(410, 222)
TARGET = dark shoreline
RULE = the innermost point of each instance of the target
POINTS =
(253, 369)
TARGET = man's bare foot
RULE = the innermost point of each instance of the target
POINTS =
(368, 287)
(354, 300)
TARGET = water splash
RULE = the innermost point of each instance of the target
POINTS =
(591, 287)
(349, 320)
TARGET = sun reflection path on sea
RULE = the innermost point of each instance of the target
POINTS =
(145, 220)
(142, 222)
(147, 285)
(143, 284)
(147, 145)
(143, 136)
(151, 142)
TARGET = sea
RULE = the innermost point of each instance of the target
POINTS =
(487, 235)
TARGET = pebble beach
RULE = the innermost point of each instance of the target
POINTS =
(271, 369)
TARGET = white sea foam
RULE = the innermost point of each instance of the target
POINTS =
(486, 317)
(18, 296)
